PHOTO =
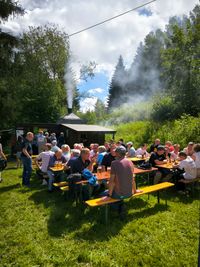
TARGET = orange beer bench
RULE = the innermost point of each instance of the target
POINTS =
(146, 190)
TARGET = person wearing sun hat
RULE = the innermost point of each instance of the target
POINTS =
(130, 150)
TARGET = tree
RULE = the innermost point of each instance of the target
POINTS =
(144, 76)
(100, 111)
(43, 54)
(8, 45)
(116, 87)
(8, 7)
(181, 64)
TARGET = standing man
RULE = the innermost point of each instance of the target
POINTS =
(41, 141)
(26, 158)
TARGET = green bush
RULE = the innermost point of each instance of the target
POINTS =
(181, 131)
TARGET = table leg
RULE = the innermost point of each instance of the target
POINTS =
(158, 196)
(106, 214)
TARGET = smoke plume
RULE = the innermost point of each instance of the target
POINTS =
(69, 83)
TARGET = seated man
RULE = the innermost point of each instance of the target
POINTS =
(82, 162)
(188, 168)
(158, 158)
(153, 147)
(108, 158)
(142, 151)
(121, 183)
(44, 158)
(56, 158)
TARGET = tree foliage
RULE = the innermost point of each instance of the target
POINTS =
(166, 69)
(33, 83)
(116, 87)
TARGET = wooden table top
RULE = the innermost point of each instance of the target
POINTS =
(106, 175)
(166, 166)
(57, 169)
(135, 159)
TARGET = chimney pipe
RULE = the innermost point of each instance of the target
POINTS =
(69, 110)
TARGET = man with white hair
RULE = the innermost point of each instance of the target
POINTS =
(44, 158)
(54, 146)
(56, 158)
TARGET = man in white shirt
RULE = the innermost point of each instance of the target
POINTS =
(43, 157)
(142, 151)
(188, 168)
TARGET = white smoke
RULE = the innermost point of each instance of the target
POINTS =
(69, 82)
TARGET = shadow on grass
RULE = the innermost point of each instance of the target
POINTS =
(101, 232)
(87, 223)
(8, 188)
(64, 215)
(174, 196)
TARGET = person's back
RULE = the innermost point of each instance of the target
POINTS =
(122, 170)
(45, 157)
(189, 167)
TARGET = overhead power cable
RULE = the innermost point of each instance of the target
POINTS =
(104, 21)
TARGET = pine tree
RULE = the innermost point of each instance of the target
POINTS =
(117, 85)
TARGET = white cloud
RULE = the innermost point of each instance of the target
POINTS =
(96, 91)
(88, 104)
(106, 42)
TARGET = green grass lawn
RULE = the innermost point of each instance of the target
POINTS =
(42, 229)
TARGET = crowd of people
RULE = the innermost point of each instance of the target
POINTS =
(110, 156)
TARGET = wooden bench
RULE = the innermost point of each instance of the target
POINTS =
(146, 190)
(60, 184)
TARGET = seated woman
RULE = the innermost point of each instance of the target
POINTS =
(175, 153)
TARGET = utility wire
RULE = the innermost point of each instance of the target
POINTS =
(104, 21)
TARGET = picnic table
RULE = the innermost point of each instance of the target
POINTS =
(136, 159)
(106, 175)
(57, 169)
(166, 166)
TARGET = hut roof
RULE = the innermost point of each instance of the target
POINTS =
(89, 128)
(70, 119)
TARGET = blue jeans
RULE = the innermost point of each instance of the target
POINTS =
(27, 170)
(54, 177)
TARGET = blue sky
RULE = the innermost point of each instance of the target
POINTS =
(94, 88)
